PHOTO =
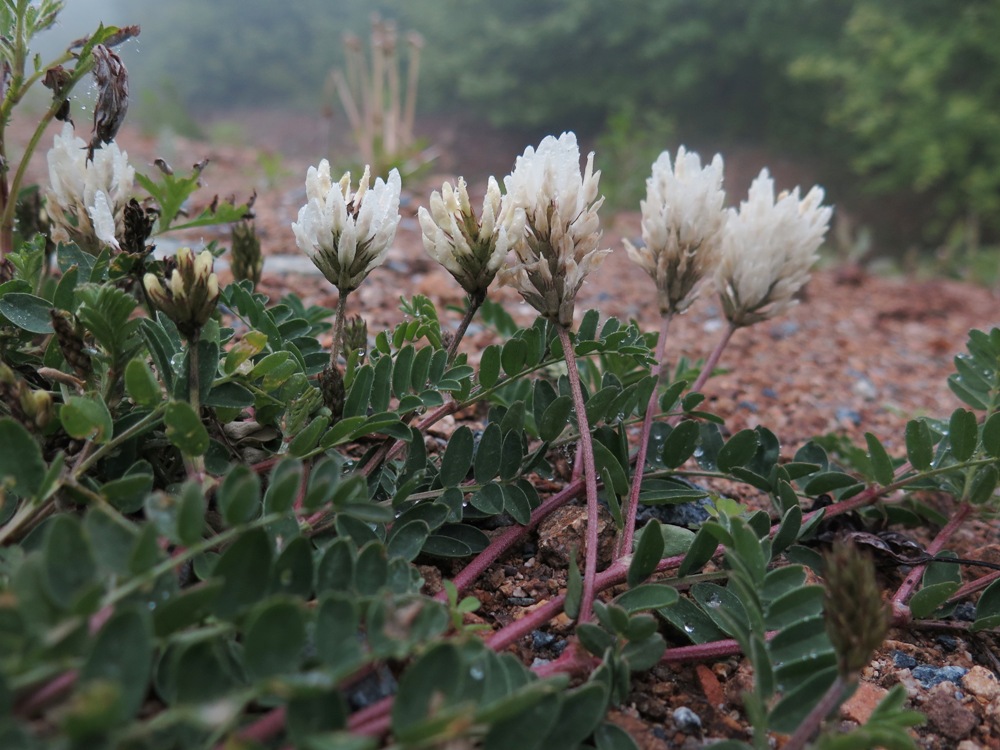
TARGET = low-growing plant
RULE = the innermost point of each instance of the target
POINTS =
(218, 511)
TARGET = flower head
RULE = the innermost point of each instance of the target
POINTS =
(192, 291)
(87, 197)
(682, 222)
(768, 250)
(347, 234)
(471, 249)
(558, 244)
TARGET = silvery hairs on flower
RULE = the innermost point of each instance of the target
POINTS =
(682, 223)
(470, 249)
(347, 234)
(558, 246)
(87, 197)
(768, 249)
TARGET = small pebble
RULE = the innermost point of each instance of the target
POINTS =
(686, 720)
(903, 661)
(965, 611)
(784, 329)
(982, 683)
(521, 601)
(844, 414)
(947, 642)
(769, 393)
(930, 676)
(749, 406)
(541, 639)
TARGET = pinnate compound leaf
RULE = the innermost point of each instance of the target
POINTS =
(881, 463)
(431, 684)
(457, 457)
(27, 312)
(983, 484)
(738, 450)
(647, 596)
(988, 608)
(87, 419)
(788, 530)
(963, 434)
(610, 736)
(70, 566)
(21, 463)
(680, 444)
(919, 445)
(275, 638)
(796, 704)
(123, 656)
(991, 435)
(555, 418)
(142, 386)
(184, 429)
(574, 588)
(929, 598)
(238, 496)
(244, 568)
(489, 366)
(581, 711)
(648, 551)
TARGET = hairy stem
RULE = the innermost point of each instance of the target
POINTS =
(811, 724)
(338, 328)
(628, 533)
(713, 358)
(589, 475)
(475, 302)
(899, 599)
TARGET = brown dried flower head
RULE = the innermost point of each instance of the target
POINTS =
(857, 620)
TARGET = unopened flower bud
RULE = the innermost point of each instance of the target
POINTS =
(247, 262)
(37, 407)
(856, 618)
(192, 294)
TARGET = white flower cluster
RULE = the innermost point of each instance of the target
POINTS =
(347, 234)
(470, 249)
(759, 255)
(768, 250)
(682, 223)
(559, 244)
(87, 197)
(543, 236)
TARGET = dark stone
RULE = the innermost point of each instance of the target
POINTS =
(947, 642)
(929, 676)
(686, 720)
(903, 661)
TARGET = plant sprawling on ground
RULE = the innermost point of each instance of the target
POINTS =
(213, 528)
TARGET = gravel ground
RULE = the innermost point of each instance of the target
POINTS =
(861, 353)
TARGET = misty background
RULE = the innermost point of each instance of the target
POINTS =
(893, 105)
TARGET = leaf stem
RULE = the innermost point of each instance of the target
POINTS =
(811, 724)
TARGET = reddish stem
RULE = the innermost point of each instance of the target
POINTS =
(267, 727)
(713, 359)
(628, 533)
(373, 720)
(973, 586)
(900, 611)
(391, 448)
(504, 541)
(589, 476)
(49, 693)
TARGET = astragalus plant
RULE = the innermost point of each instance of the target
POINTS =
(221, 526)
